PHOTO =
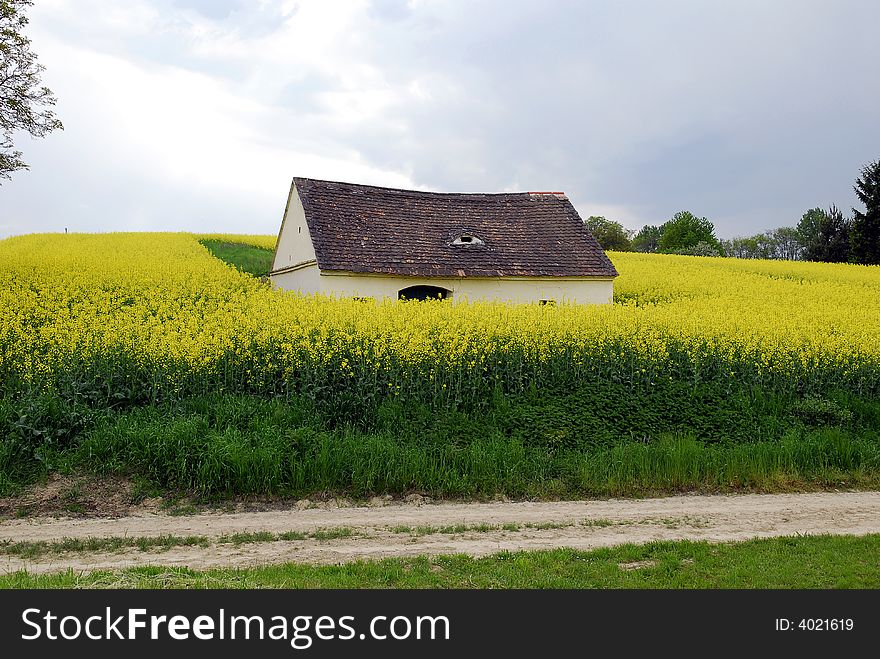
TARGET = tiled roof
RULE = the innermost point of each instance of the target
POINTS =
(367, 229)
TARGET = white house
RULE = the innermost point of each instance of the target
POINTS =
(365, 241)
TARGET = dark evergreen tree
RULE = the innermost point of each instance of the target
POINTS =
(865, 230)
(831, 243)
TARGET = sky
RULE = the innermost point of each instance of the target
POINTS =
(194, 115)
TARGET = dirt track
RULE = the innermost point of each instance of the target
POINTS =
(377, 533)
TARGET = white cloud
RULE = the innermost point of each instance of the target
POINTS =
(170, 132)
(193, 113)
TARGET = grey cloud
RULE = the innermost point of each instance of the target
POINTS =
(735, 111)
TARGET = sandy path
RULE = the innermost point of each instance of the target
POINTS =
(576, 524)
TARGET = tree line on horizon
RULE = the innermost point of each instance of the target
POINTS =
(820, 235)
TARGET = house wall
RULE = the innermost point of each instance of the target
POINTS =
(508, 289)
(294, 241)
(305, 280)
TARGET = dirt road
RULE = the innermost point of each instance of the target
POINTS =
(335, 535)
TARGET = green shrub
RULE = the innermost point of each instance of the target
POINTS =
(815, 411)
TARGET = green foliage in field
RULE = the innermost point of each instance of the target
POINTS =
(558, 443)
(163, 363)
(801, 562)
(596, 438)
(253, 260)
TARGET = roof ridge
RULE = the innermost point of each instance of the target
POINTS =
(425, 192)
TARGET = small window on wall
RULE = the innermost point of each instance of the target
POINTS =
(423, 293)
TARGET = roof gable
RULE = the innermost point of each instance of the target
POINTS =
(368, 229)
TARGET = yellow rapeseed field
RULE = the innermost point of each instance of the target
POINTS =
(158, 311)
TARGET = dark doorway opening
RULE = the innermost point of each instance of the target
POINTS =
(423, 293)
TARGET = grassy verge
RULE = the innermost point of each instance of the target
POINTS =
(801, 562)
(547, 444)
(253, 260)
(272, 448)
(39, 548)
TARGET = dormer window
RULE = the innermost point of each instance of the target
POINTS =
(467, 239)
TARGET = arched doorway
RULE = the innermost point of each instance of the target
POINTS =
(423, 293)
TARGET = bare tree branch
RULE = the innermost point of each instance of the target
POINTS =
(24, 103)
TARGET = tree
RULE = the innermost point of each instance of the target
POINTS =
(685, 230)
(24, 104)
(781, 243)
(702, 248)
(786, 243)
(808, 228)
(753, 247)
(831, 243)
(865, 230)
(611, 235)
(648, 239)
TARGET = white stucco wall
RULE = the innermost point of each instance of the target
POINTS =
(303, 280)
(508, 289)
(294, 243)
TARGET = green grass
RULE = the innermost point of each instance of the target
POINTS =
(793, 562)
(532, 526)
(546, 444)
(456, 529)
(321, 535)
(255, 261)
(221, 446)
(247, 538)
(447, 530)
(36, 549)
(332, 534)
(41, 547)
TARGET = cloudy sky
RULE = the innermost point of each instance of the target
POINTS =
(195, 114)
